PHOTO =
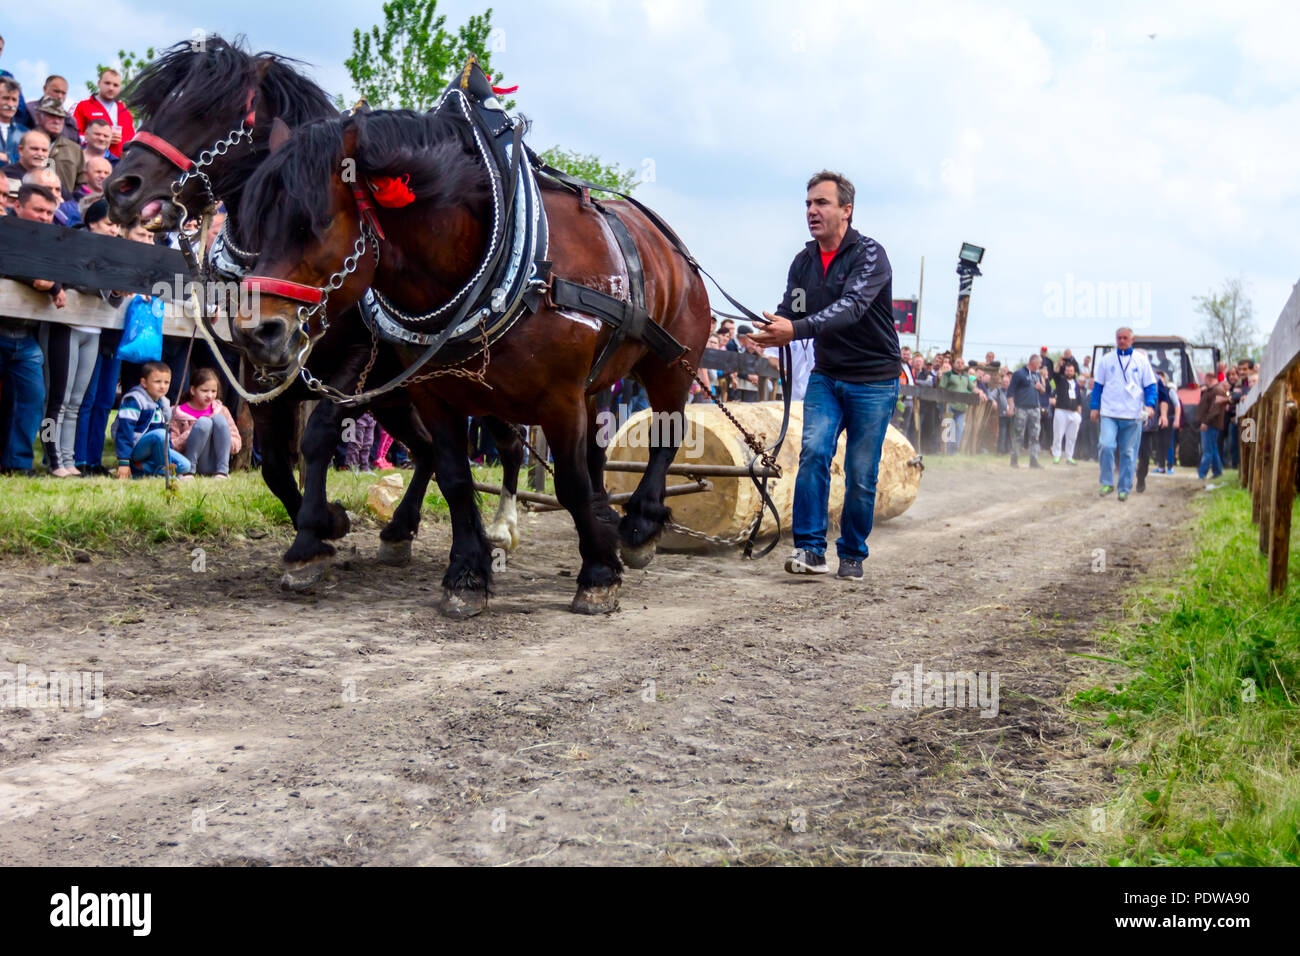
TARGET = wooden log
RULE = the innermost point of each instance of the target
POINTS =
(728, 509)
(1285, 450)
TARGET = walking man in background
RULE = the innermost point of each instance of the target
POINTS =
(1026, 386)
(1123, 387)
(838, 292)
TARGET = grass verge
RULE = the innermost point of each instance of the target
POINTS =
(1204, 724)
(58, 517)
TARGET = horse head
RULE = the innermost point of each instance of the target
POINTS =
(194, 96)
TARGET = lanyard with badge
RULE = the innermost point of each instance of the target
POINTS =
(1130, 386)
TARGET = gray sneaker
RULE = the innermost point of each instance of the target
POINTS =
(850, 568)
(802, 561)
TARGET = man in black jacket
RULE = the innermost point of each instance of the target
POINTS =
(838, 293)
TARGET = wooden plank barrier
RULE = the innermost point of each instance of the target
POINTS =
(1270, 441)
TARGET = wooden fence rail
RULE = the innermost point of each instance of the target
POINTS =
(1269, 434)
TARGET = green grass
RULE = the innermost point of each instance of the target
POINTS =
(1209, 776)
(57, 516)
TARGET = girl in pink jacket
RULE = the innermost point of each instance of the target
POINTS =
(202, 428)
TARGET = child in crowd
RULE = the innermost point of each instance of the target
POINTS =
(385, 443)
(363, 437)
(140, 432)
(203, 429)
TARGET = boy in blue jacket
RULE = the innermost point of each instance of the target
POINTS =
(140, 433)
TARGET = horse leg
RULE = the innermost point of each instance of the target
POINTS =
(469, 573)
(599, 579)
(401, 422)
(645, 513)
(600, 430)
(503, 530)
(274, 421)
(318, 519)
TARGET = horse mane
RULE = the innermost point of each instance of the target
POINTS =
(222, 73)
(287, 201)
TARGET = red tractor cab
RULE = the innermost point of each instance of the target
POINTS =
(1184, 365)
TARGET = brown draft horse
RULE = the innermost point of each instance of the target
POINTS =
(194, 96)
(302, 215)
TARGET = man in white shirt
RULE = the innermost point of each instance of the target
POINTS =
(1124, 386)
(801, 365)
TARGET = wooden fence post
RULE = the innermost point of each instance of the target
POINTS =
(1246, 448)
(537, 439)
(1260, 466)
(1286, 447)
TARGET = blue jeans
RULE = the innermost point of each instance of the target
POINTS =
(23, 379)
(1210, 460)
(959, 429)
(147, 455)
(1126, 434)
(92, 423)
(829, 408)
(1173, 448)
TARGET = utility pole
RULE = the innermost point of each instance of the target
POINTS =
(968, 261)
(920, 297)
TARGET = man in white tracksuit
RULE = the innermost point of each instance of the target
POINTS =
(1123, 388)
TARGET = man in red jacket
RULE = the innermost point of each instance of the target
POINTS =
(106, 106)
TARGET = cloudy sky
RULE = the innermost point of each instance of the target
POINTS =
(1115, 159)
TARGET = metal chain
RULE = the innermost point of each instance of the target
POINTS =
(754, 444)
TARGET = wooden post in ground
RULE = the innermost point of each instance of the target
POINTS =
(1285, 451)
(1258, 464)
(1245, 447)
(537, 439)
(1268, 409)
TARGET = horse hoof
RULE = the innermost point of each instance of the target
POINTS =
(302, 576)
(395, 554)
(595, 600)
(459, 605)
(501, 537)
(638, 557)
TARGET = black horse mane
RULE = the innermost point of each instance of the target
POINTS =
(287, 202)
(221, 74)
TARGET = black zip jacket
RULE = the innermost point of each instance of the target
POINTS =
(848, 311)
(1064, 402)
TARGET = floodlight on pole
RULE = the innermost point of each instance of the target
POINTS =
(968, 260)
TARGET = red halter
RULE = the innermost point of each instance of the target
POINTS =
(173, 155)
(294, 291)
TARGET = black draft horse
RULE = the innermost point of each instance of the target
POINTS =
(303, 216)
(193, 96)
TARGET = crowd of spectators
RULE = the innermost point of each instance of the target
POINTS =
(58, 381)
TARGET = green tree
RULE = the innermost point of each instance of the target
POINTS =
(1228, 320)
(589, 167)
(411, 58)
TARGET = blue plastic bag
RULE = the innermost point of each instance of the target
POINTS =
(142, 333)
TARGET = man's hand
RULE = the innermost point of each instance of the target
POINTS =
(1096, 415)
(1203, 426)
(1051, 402)
(777, 332)
(61, 299)
(123, 471)
(1164, 420)
(1011, 407)
(752, 379)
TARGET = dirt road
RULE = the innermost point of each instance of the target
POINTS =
(729, 711)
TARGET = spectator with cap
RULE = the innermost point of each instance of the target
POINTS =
(33, 152)
(64, 155)
(11, 127)
(106, 105)
(21, 362)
